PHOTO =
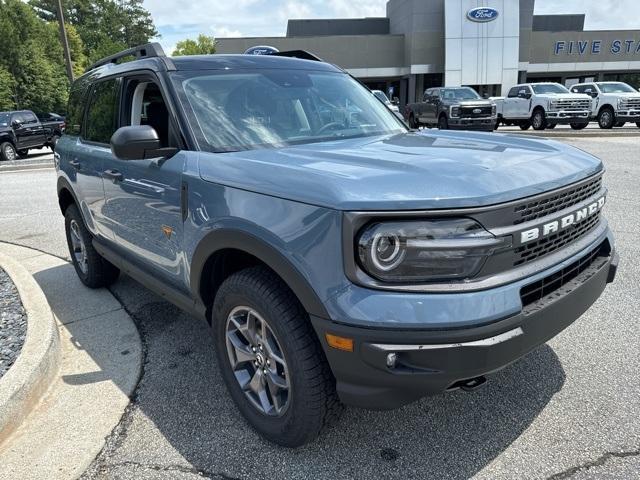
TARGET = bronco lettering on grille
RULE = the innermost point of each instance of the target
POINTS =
(561, 223)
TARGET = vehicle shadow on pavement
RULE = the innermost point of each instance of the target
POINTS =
(183, 419)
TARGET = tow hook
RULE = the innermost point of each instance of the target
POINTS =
(469, 384)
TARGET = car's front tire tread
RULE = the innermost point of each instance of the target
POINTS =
(315, 401)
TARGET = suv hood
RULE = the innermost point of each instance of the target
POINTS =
(409, 171)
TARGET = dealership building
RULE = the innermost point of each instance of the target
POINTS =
(490, 45)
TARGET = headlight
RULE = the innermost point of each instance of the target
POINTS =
(455, 111)
(620, 102)
(493, 110)
(426, 250)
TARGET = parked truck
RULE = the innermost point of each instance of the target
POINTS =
(543, 105)
(452, 108)
(22, 130)
(614, 103)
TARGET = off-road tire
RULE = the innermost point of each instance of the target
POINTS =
(606, 118)
(313, 401)
(23, 153)
(443, 122)
(525, 125)
(551, 126)
(619, 124)
(99, 272)
(538, 120)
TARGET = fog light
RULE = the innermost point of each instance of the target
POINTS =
(392, 359)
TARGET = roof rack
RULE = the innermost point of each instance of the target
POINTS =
(302, 54)
(148, 50)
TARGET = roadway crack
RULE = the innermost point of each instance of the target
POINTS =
(168, 468)
(601, 460)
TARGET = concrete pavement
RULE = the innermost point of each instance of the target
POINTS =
(99, 368)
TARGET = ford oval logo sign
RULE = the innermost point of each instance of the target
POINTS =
(482, 14)
(261, 50)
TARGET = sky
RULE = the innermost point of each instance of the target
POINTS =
(255, 18)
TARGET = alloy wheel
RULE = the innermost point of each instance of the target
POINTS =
(9, 152)
(79, 249)
(257, 361)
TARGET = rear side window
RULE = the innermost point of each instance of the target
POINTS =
(29, 118)
(75, 109)
(101, 115)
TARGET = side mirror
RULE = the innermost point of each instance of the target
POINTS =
(16, 123)
(138, 142)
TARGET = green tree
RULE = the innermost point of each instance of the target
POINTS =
(105, 26)
(7, 90)
(204, 45)
(30, 52)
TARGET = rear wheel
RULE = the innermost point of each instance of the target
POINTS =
(551, 126)
(93, 270)
(271, 360)
(53, 142)
(578, 126)
(606, 118)
(538, 120)
(525, 125)
(23, 153)
(620, 124)
(443, 123)
(8, 152)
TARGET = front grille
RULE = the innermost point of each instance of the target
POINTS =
(543, 291)
(550, 244)
(630, 103)
(526, 212)
(468, 111)
(571, 105)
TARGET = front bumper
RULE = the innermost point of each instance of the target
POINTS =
(430, 362)
(632, 115)
(471, 123)
(565, 117)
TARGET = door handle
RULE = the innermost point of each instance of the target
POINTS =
(113, 175)
(75, 164)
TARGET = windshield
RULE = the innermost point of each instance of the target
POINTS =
(549, 88)
(381, 95)
(248, 109)
(464, 93)
(4, 119)
(617, 87)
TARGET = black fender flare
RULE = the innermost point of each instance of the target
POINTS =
(63, 184)
(229, 238)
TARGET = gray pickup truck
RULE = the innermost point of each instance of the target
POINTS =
(452, 108)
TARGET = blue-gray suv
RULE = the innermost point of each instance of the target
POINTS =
(339, 257)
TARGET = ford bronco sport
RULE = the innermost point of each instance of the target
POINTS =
(339, 257)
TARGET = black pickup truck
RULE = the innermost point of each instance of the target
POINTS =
(21, 130)
(459, 108)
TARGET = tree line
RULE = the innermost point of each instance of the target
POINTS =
(32, 69)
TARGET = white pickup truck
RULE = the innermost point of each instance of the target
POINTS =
(543, 105)
(614, 103)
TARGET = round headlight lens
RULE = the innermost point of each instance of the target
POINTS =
(386, 251)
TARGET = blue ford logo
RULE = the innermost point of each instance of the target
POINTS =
(482, 14)
(261, 50)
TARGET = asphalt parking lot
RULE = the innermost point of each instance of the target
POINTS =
(568, 410)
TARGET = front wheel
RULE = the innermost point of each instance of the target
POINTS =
(578, 126)
(23, 153)
(443, 123)
(525, 125)
(606, 118)
(620, 124)
(538, 120)
(93, 270)
(638, 124)
(8, 152)
(271, 360)
(551, 126)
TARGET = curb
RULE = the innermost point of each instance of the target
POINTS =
(26, 166)
(37, 364)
